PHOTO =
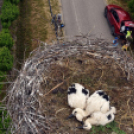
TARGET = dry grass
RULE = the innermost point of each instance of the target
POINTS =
(41, 21)
(34, 23)
(55, 6)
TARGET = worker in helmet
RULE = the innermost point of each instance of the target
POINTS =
(129, 39)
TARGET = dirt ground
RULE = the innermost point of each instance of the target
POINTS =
(93, 74)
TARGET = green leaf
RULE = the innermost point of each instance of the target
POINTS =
(14, 1)
(6, 39)
(9, 13)
(6, 59)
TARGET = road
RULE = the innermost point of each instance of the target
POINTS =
(84, 16)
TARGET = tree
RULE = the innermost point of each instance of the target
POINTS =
(9, 13)
(131, 7)
(6, 39)
(14, 1)
(6, 59)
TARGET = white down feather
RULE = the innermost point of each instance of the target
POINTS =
(99, 118)
(97, 103)
(77, 99)
(94, 103)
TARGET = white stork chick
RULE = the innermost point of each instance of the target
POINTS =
(77, 96)
(98, 101)
(99, 118)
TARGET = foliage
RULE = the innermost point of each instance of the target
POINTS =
(111, 127)
(9, 13)
(6, 39)
(5, 121)
(6, 59)
(114, 128)
(14, 1)
(131, 7)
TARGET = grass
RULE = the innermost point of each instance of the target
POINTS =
(55, 6)
(109, 128)
(4, 122)
(34, 23)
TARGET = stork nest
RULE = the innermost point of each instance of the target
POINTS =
(37, 99)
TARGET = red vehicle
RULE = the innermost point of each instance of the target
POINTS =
(117, 17)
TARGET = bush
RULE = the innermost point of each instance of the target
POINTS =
(131, 5)
(6, 39)
(9, 13)
(6, 24)
(14, 1)
(6, 59)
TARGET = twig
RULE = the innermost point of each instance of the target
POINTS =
(54, 88)
(60, 110)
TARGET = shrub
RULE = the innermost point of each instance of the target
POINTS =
(9, 13)
(14, 1)
(6, 39)
(6, 24)
(131, 5)
(6, 59)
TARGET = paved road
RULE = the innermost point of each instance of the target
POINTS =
(83, 16)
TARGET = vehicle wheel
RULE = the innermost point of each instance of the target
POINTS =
(113, 30)
(105, 12)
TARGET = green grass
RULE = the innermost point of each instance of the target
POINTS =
(109, 128)
(4, 121)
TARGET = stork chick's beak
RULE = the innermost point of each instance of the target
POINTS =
(81, 127)
(70, 116)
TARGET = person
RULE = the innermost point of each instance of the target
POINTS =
(123, 27)
(129, 39)
(125, 47)
(115, 41)
(62, 25)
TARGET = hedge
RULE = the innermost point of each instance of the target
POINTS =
(131, 7)
(14, 1)
(6, 59)
(9, 13)
(6, 39)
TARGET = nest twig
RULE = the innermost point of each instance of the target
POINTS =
(23, 103)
